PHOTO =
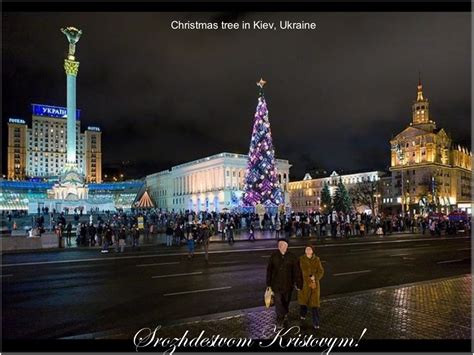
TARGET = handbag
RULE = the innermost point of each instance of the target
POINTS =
(269, 297)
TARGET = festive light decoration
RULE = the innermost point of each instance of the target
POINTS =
(261, 178)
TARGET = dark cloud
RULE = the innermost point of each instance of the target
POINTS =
(336, 95)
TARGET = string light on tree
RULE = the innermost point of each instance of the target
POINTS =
(261, 180)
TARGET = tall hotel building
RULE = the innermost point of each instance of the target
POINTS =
(40, 151)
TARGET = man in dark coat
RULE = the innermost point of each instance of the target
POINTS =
(68, 233)
(91, 231)
(283, 274)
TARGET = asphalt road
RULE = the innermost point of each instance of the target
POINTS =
(68, 293)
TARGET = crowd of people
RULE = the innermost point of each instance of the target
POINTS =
(188, 228)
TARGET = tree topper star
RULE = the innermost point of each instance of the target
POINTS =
(261, 83)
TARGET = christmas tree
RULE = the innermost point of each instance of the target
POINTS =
(261, 178)
(326, 199)
(342, 201)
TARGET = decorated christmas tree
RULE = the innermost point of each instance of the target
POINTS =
(261, 178)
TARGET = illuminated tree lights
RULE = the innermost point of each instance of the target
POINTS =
(261, 178)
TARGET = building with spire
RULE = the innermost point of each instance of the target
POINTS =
(429, 171)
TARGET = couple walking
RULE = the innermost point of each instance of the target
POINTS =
(285, 272)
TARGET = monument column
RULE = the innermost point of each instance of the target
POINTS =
(71, 67)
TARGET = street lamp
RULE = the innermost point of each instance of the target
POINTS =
(377, 196)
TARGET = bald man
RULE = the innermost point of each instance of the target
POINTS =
(283, 274)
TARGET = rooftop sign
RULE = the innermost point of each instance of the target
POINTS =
(16, 120)
(52, 111)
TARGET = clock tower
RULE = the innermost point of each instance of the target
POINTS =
(421, 111)
(428, 172)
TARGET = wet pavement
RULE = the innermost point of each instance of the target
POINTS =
(439, 309)
(84, 292)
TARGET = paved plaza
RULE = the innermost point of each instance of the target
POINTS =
(438, 309)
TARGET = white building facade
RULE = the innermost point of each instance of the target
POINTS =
(209, 184)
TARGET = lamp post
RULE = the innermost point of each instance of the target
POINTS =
(376, 209)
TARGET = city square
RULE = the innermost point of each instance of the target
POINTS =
(112, 227)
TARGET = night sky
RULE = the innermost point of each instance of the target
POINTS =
(336, 95)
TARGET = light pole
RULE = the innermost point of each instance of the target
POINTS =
(376, 207)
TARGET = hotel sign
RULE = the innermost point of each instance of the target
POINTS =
(16, 120)
(51, 111)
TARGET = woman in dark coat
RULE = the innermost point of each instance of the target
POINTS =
(308, 297)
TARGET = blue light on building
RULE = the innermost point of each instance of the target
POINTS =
(51, 111)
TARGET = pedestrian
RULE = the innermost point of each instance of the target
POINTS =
(68, 233)
(190, 242)
(380, 231)
(323, 230)
(277, 227)
(122, 237)
(169, 235)
(135, 236)
(59, 232)
(83, 240)
(177, 235)
(78, 234)
(309, 295)
(251, 232)
(100, 232)
(347, 230)
(283, 274)
(107, 239)
(115, 237)
(225, 232)
(206, 236)
(432, 228)
(92, 234)
(230, 231)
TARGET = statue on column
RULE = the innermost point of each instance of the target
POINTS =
(73, 35)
